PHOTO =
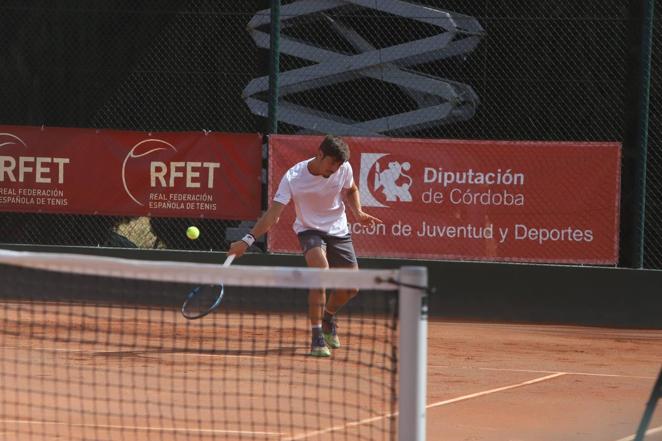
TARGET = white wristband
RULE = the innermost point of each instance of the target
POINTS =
(249, 239)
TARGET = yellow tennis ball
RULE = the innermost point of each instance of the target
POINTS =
(192, 233)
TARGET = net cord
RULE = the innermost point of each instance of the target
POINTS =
(203, 273)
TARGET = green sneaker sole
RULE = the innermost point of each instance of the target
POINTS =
(333, 342)
(320, 352)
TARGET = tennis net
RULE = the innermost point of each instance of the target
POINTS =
(95, 348)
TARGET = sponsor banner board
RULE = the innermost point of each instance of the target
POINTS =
(107, 172)
(555, 202)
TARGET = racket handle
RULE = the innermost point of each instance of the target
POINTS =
(228, 260)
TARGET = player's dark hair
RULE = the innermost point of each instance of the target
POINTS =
(335, 147)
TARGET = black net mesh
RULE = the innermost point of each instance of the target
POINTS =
(87, 357)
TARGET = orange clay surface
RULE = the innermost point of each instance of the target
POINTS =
(146, 374)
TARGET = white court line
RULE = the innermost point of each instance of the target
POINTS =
(587, 374)
(193, 354)
(534, 371)
(648, 432)
(429, 406)
(341, 427)
(491, 391)
(28, 348)
(138, 352)
(551, 328)
(144, 428)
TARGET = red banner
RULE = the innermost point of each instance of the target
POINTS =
(479, 200)
(87, 171)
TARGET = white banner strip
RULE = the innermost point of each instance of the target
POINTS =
(203, 273)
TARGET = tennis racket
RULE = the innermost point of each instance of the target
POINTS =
(205, 298)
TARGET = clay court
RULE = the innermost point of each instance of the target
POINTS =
(120, 373)
(493, 167)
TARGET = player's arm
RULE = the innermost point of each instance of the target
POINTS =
(353, 199)
(266, 221)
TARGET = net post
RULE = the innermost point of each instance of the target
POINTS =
(650, 408)
(413, 313)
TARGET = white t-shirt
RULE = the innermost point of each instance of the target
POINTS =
(317, 200)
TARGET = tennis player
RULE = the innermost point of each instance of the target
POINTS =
(318, 186)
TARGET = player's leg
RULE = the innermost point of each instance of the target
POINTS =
(314, 250)
(340, 254)
(315, 258)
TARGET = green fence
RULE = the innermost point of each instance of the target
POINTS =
(156, 65)
(653, 217)
(514, 69)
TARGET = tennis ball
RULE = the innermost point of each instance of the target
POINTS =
(192, 233)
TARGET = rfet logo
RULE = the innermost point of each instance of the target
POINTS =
(384, 179)
(28, 169)
(152, 165)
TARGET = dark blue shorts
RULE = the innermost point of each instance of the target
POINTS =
(339, 249)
